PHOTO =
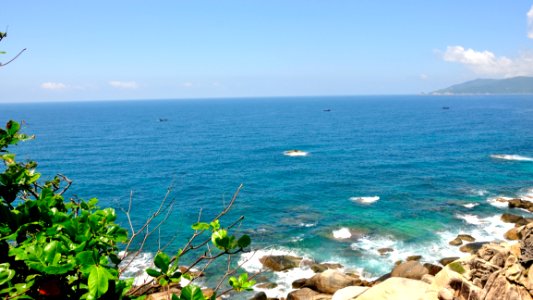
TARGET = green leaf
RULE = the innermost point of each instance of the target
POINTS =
(6, 274)
(244, 241)
(192, 292)
(98, 281)
(162, 261)
(153, 273)
(200, 226)
(220, 239)
(215, 225)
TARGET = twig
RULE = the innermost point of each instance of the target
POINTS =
(16, 56)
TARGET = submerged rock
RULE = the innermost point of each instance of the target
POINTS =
(318, 268)
(472, 247)
(466, 237)
(456, 242)
(384, 251)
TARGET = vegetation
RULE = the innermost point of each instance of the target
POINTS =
(514, 85)
(54, 248)
(2, 36)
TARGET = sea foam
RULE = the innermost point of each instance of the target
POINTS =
(341, 234)
(250, 262)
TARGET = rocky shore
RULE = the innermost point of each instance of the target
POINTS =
(489, 270)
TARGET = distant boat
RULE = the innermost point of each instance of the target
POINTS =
(295, 153)
(445, 107)
(163, 119)
(327, 110)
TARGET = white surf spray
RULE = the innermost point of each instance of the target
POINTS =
(250, 262)
(470, 205)
(499, 201)
(342, 233)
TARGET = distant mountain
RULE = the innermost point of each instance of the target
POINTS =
(515, 85)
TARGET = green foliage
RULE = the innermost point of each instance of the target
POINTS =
(241, 283)
(52, 248)
(49, 247)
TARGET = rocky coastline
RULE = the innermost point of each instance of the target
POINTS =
(489, 270)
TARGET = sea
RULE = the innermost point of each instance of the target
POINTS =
(402, 172)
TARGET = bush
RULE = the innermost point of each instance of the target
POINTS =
(56, 249)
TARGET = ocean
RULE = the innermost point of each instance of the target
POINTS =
(405, 172)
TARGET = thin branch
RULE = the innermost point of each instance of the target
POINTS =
(16, 56)
(68, 181)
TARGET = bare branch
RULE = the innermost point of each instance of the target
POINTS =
(16, 56)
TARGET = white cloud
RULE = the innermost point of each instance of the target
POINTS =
(123, 84)
(53, 86)
(424, 76)
(187, 84)
(487, 63)
(530, 23)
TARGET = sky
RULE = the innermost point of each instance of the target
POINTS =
(110, 50)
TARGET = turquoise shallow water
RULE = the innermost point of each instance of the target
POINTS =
(424, 162)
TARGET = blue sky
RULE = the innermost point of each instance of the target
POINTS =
(99, 50)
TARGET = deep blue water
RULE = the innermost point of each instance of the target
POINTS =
(424, 162)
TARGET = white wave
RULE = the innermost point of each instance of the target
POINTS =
(136, 269)
(470, 219)
(341, 234)
(511, 157)
(500, 201)
(365, 200)
(295, 153)
(526, 195)
(250, 262)
(470, 205)
(478, 192)
(307, 225)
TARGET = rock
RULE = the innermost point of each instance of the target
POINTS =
(409, 269)
(349, 292)
(164, 295)
(307, 294)
(318, 268)
(413, 258)
(432, 269)
(512, 234)
(519, 203)
(428, 278)
(383, 251)
(446, 294)
(279, 263)
(526, 245)
(267, 285)
(396, 288)
(193, 272)
(498, 287)
(472, 247)
(380, 279)
(259, 296)
(493, 253)
(466, 237)
(299, 283)
(330, 281)
(510, 218)
(445, 261)
(456, 242)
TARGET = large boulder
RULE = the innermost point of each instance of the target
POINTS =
(330, 281)
(472, 247)
(307, 294)
(349, 292)
(519, 203)
(279, 263)
(498, 287)
(259, 296)
(409, 269)
(318, 268)
(396, 288)
(445, 261)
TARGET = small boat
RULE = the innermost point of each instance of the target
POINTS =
(445, 107)
(163, 119)
(295, 152)
(327, 110)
